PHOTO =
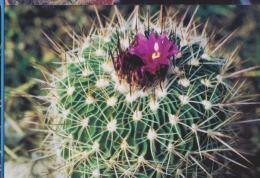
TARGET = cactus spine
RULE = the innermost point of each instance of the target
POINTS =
(156, 120)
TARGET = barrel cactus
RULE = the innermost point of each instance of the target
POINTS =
(147, 96)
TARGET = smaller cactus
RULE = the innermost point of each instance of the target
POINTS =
(142, 99)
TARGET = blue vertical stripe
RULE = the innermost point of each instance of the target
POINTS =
(2, 88)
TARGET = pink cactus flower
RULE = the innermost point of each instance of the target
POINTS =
(147, 59)
(156, 50)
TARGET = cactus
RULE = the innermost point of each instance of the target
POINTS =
(146, 96)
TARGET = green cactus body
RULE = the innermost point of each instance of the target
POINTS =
(109, 129)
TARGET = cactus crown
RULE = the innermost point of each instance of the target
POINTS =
(142, 98)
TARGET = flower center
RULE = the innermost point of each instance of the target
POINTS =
(156, 53)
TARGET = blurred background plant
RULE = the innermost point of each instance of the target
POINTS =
(60, 2)
(107, 2)
(26, 47)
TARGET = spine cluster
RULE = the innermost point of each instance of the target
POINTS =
(103, 126)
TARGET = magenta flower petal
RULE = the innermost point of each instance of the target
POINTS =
(147, 60)
(154, 50)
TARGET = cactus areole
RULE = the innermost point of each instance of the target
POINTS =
(142, 102)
